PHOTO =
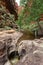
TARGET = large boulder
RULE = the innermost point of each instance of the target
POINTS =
(31, 52)
(10, 38)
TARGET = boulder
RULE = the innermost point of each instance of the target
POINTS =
(10, 39)
(31, 52)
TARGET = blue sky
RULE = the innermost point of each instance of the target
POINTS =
(18, 1)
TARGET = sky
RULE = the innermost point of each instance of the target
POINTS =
(18, 1)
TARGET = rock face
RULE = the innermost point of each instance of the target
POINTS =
(10, 38)
(8, 45)
(31, 52)
(10, 7)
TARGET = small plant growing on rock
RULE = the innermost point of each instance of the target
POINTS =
(7, 20)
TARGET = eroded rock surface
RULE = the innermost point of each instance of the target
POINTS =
(10, 37)
(31, 52)
(8, 43)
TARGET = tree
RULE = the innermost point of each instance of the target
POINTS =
(31, 12)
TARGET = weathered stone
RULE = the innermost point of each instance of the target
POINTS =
(9, 41)
(7, 63)
(27, 45)
(41, 38)
(30, 51)
(34, 52)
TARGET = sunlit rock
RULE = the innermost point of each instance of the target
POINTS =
(10, 41)
(7, 63)
(33, 54)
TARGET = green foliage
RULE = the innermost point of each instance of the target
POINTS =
(30, 13)
(33, 27)
(36, 9)
(23, 2)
